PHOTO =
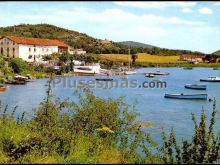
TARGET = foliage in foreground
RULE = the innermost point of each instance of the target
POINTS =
(95, 130)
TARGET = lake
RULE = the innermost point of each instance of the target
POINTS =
(167, 113)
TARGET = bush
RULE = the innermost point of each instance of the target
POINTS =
(18, 65)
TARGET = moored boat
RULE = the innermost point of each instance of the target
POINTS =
(159, 73)
(104, 79)
(130, 72)
(211, 79)
(149, 75)
(2, 88)
(188, 68)
(15, 82)
(187, 96)
(215, 68)
(196, 86)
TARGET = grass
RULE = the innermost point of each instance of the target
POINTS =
(147, 60)
(143, 57)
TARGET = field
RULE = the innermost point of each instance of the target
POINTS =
(143, 57)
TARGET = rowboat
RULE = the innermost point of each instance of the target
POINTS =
(186, 96)
(149, 75)
(2, 88)
(15, 82)
(158, 73)
(211, 79)
(188, 68)
(196, 86)
(130, 72)
(104, 79)
(215, 68)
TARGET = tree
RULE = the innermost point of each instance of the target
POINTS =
(134, 57)
(18, 65)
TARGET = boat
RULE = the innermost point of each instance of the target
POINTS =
(187, 96)
(15, 82)
(129, 71)
(196, 86)
(87, 69)
(124, 77)
(104, 79)
(159, 73)
(20, 78)
(188, 68)
(149, 75)
(2, 88)
(211, 79)
(215, 68)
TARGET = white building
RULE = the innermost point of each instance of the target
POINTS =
(76, 51)
(30, 49)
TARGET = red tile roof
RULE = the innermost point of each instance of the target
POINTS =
(36, 41)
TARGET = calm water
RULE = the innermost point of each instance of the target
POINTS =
(167, 113)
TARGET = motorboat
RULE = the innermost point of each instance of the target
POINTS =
(2, 88)
(150, 75)
(104, 79)
(159, 73)
(211, 79)
(187, 96)
(196, 86)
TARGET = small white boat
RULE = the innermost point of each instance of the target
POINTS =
(159, 73)
(129, 72)
(124, 77)
(149, 75)
(187, 96)
(211, 79)
(196, 86)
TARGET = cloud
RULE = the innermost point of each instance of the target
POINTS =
(205, 10)
(155, 4)
(187, 10)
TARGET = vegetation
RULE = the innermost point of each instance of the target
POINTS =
(83, 41)
(96, 130)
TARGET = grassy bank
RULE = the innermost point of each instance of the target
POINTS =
(147, 60)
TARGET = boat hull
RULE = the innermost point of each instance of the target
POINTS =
(104, 79)
(206, 80)
(182, 96)
(2, 89)
(197, 87)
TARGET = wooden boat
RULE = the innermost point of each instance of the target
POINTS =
(188, 68)
(130, 72)
(211, 79)
(104, 79)
(215, 68)
(158, 73)
(15, 82)
(124, 77)
(149, 75)
(187, 96)
(2, 88)
(196, 86)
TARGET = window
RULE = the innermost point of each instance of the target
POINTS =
(2, 51)
(8, 52)
(13, 43)
(13, 52)
(34, 49)
(29, 49)
(30, 57)
(8, 43)
(47, 49)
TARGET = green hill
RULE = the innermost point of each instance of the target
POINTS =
(84, 41)
(73, 38)
(217, 53)
(137, 44)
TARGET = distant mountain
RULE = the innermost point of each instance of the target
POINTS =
(217, 53)
(137, 44)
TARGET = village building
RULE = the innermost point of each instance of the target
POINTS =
(192, 57)
(30, 49)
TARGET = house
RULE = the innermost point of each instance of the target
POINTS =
(192, 57)
(30, 49)
(76, 51)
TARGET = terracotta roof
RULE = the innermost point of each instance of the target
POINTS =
(36, 41)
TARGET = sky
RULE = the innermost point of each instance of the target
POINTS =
(176, 25)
